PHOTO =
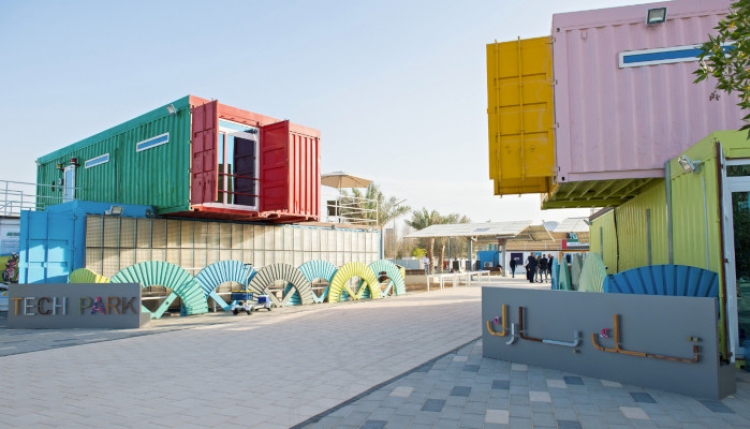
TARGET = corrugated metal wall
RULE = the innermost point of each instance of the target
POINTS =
(158, 176)
(626, 122)
(696, 210)
(642, 229)
(113, 243)
(604, 240)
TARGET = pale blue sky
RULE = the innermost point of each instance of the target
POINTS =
(397, 88)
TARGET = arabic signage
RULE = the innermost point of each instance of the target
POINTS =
(665, 342)
(75, 305)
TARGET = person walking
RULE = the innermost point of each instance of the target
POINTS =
(513, 267)
(531, 265)
(550, 258)
(543, 268)
(426, 262)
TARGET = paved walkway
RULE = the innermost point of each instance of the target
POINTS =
(407, 362)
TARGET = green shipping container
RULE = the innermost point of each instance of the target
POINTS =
(196, 158)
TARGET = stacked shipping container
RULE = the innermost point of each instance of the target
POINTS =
(195, 158)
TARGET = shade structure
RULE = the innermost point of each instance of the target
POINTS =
(342, 180)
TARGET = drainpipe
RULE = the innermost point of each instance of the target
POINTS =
(668, 191)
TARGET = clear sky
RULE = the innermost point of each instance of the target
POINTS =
(397, 88)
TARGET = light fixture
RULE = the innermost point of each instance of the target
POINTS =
(74, 161)
(59, 166)
(688, 165)
(656, 16)
(172, 110)
(114, 211)
(38, 164)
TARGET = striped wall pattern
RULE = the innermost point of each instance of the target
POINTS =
(221, 272)
(313, 270)
(158, 273)
(195, 291)
(267, 276)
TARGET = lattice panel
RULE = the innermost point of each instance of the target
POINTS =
(127, 232)
(213, 236)
(94, 259)
(159, 234)
(94, 231)
(200, 235)
(110, 262)
(186, 234)
(225, 235)
(143, 233)
(173, 234)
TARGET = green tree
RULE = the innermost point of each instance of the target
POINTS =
(372, 205)
(421, 219)
(729, 65)
(450, 219)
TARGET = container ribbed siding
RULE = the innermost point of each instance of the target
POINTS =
(520, 113)
(642, 229)
(625, 122)
(604, 240)
(150, 161)
(156, 176)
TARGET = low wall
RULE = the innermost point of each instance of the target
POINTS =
(665, 342)
(75, 305)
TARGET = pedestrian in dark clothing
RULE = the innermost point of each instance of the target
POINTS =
(543, 269)
(549, 265)
(513, 267)
(531, 265)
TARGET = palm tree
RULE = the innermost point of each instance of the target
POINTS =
(450, 219)
(421, 220)
(373, 205)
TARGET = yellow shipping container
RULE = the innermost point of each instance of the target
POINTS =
(520, 100)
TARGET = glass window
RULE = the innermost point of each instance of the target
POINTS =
(738, 170)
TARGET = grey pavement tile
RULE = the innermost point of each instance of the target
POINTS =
(498, 404)
(383, 413)
(520, 410)
(541, 407)
(446, 423)
(587, 409)
(355, 418)
(435, 405)
(461, 391)
(471, 368)
(426, 417)
(475, 407)
(399, 422)
(592, 422)
(665, 421)
(566, 414)
(520, 423)
(569, 424)
(500, 384)
(472, 421)
(408, 409)
(573, 380)
(642, 397)
(543, 419)
(327, 422)
(717, 407)
(458, 401)
(374, 424)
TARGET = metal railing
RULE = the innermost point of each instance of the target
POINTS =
(351, 210)
(18, 196)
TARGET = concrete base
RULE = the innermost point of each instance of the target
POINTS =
(656, 337)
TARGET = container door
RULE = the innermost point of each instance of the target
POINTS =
(203, 169)
(246, 166)
(69, 187)
(274, 167)
(47, 247)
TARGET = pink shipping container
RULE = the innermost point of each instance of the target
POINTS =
(625, 101)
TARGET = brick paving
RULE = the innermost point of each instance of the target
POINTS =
(407, 362)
